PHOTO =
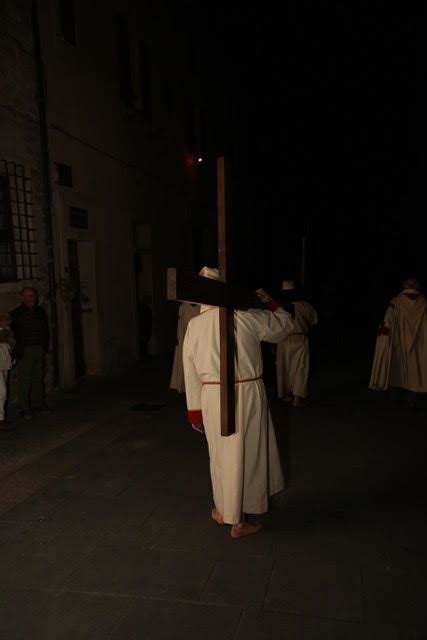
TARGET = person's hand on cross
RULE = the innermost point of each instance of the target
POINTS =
(263, 296)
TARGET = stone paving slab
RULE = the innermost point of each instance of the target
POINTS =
(42, 530)
(82, 506)
(395, 596)
(265, 625)
(242, 581)
(162, 620)
(136, 534)
(314, 535)
(35, 438)
(317, 590)
(406, 549)
(137, 571)
(18, 610)
(76, 616)
(38, 505)
(36, 565)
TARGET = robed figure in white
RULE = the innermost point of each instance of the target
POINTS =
(245, 466)
(293, 353)
(186, 311)
(400, 359)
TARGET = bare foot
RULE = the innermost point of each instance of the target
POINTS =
(296, 402)
(287, 398)
(245, 529)
(215, 514)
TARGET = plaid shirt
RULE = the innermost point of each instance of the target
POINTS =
(33, 326)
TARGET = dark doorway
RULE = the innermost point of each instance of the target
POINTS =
(76, 309)
(143, 286)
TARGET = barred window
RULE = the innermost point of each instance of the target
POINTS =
(18, 257)
(67, 21)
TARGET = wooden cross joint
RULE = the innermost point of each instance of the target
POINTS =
(222, 294)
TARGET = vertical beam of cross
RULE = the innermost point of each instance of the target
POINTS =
(226, 314)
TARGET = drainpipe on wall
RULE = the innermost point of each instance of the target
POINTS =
(47, 187)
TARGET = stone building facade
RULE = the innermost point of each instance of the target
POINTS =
(99, 126)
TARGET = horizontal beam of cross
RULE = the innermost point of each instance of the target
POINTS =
(186, 287)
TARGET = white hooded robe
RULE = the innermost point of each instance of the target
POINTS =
(245, 466)
(293, 355)
(400, 358)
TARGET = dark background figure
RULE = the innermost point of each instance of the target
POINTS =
(31, 330)
(146, 326)
(269, 366)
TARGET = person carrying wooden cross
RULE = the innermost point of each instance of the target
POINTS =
(245, 466)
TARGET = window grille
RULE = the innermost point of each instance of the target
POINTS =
(18, 256)
(67, 22)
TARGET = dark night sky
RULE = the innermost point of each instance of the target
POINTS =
(327, 128)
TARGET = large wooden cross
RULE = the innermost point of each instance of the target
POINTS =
(222, 294)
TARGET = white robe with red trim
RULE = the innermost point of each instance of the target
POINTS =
(245, 466)
(186, 311)
(293, 355)
(400, 358)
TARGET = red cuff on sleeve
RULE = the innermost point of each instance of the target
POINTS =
(383, 330)
(272, 305)
(194, 416)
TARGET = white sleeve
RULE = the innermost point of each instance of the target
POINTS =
(272, 326)
(193, 384)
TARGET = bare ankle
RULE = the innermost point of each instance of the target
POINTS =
(216, 515)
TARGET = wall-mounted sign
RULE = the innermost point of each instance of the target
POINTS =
(78, 218)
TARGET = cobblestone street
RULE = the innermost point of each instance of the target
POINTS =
(105, 529)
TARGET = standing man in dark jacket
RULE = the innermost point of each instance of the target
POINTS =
(31, 331)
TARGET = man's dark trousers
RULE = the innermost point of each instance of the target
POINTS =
(31, 368)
